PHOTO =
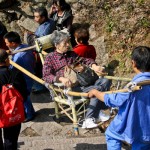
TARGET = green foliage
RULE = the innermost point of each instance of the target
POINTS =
(140, 1)
(129, 7)
(144, 22)
(110, 25)
(106, 7)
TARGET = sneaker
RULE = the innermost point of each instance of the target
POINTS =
(89, 123)
(102, 117)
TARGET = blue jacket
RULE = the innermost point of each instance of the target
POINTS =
(27, 61)
(45, 28)
(133, 119)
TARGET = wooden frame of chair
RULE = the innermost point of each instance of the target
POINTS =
(71, 102)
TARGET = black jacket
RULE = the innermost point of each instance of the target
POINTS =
(15, 77)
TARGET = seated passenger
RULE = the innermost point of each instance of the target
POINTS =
(83, 48)
(53, 71)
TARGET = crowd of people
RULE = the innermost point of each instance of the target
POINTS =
(132, 122)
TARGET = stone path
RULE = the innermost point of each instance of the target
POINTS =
(43, 133)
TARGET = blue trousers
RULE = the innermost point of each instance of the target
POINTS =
(95, 105)
(115, 143)
(29, 110)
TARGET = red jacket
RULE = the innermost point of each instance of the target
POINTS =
(87, 51)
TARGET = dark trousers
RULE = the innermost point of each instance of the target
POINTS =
(10, 136)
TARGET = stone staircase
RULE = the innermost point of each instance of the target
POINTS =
(43, 133)
(59, 143)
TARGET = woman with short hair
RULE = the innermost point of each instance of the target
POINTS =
(53, 71)
(83, 48)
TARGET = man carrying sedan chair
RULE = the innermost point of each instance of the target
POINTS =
(132, 123)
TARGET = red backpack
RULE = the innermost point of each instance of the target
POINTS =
(11, 106)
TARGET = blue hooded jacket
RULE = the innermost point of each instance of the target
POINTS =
(133, 119)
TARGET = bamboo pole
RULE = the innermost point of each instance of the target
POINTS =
(146, 82)
(23, 49)
(41, 57)
(56, 110)
(71, 93)
(26, 72)
(118, 78)
(108, 92)
(39, 49)
(75, 121)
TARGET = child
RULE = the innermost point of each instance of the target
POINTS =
(132, 122)
(83, 49)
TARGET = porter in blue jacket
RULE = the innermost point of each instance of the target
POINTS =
(132, 123)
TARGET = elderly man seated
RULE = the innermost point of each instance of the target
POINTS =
(53, 71)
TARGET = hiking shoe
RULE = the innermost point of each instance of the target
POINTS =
(89, 123)
(102, 117)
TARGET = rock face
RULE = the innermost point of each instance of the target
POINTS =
(6, 3)
(115, 26)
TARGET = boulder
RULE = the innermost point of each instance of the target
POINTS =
(28, 24)
(102, 55)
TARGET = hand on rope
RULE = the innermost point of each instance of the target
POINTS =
(131, 86)
(69, 98)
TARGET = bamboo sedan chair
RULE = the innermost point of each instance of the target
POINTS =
(67, 105)
(71, 106)
(61, 99)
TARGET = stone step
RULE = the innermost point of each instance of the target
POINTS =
(63, 143)
(81, 146)
(41, 143)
